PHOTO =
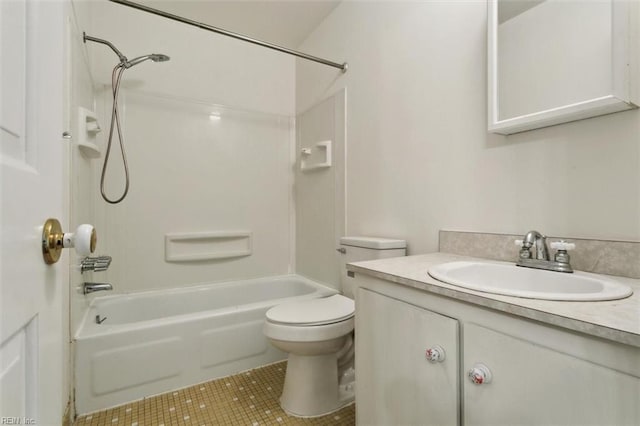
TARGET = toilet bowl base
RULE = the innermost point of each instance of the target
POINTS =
(311, 386)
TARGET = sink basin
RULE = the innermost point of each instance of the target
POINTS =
(510, 280)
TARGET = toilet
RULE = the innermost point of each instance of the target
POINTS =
(318, 336)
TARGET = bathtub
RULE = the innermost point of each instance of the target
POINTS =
(157, 341)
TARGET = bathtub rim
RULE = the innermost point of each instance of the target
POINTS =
(89, 330)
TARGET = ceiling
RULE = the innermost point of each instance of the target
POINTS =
(286, 23)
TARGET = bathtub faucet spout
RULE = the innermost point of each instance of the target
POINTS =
(92, 287)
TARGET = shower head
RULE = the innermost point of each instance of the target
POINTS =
(155, 57)
(124, 62)
(159, 57)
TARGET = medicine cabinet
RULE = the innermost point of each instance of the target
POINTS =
(555, 61)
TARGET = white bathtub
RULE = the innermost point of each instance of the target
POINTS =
(157, 341)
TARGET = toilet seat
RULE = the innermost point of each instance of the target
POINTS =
(313, 333)
(313, 320)
(312, 312)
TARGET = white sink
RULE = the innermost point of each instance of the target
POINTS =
(511, 280)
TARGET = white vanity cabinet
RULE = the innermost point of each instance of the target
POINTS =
(536, 385)
(396, 383)
(538, 374)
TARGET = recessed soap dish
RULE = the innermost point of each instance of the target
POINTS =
(324, 150)
(88, 129)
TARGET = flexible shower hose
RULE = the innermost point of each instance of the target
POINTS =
(116, 76)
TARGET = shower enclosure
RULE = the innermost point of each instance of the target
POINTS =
(212, 156)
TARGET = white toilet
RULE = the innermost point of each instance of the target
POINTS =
(318, 335)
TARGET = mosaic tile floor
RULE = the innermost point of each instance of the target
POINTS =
(249, 398)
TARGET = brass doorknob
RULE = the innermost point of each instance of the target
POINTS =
(54, 240)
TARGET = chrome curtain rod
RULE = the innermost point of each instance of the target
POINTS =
(211, 28)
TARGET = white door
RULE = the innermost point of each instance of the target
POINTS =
(31, 190)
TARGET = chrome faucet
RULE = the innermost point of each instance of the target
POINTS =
(537, 241)
(95, 264)
(93, 287)
(540, 241)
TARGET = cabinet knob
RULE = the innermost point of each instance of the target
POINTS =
(480, 374)
(435, 354)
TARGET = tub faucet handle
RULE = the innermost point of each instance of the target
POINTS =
(95, 264)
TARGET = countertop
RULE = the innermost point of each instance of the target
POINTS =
(616, 320)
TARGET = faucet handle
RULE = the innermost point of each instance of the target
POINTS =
(95, 264)
(525, 252)
(561, 255)
(562, 245)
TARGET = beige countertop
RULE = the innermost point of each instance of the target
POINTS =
(617, 320)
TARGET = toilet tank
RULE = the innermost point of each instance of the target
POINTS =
(357, 249)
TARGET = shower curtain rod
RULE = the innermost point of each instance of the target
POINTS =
(211, 28)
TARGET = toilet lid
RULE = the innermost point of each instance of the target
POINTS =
(327, 310)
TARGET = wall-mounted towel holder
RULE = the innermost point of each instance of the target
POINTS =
(325, 148)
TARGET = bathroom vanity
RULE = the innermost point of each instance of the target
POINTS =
(431, 353)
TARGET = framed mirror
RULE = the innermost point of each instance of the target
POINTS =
(555, 61)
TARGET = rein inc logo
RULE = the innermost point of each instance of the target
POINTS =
(17, 421)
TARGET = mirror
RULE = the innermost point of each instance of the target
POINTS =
(554, 61)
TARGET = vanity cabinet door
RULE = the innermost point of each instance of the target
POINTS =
(396, 383)
(535, 385)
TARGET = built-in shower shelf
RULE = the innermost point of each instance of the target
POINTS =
(90, 150)
(307, 156)
(199, 246)
(88, 129)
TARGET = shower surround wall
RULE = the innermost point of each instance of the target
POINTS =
(319, 193)
(191, 171)
(419, 157)
(82, 186)
(199, 168)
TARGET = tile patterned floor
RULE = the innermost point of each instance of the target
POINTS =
(249, 398)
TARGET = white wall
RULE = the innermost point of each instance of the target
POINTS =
(419, 158)
(204, 66)
(189, 173)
